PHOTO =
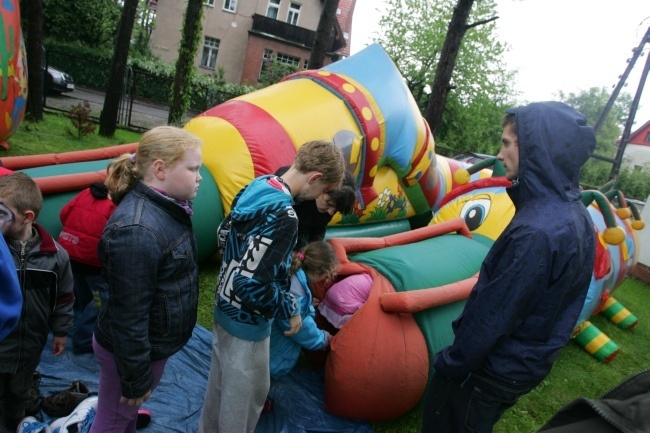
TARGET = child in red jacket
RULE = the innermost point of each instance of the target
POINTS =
(83, 219)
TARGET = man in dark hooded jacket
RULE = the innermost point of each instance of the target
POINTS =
(533, 282)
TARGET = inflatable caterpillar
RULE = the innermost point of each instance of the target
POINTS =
(379, 363)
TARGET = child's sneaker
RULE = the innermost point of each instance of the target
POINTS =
(79, 420)
(33, 404)
(144, 418)
(63, 403)
(32, 425)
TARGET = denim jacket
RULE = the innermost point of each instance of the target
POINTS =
(148, 253)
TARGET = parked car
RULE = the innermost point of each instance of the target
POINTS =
(57, 81)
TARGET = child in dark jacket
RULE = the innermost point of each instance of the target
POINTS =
(46, 282)
(84, 219)
(149, 259)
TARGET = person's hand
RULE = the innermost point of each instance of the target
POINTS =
(315, 302)
(58, 345)
(328, 340)
(295, 324)
(137, 402)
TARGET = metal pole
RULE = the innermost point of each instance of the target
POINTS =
(636, 53)
(630, 120)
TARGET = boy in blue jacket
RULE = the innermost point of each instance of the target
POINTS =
(257, 238)
(533, 282)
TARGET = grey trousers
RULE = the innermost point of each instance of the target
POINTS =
(238, 384)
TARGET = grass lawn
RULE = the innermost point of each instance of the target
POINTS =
(575, 374)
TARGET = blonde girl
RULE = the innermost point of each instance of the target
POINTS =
(148, 255)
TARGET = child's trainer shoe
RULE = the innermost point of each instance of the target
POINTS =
(79, 420)
(32, 425)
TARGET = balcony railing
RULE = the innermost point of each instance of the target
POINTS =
(289, 32)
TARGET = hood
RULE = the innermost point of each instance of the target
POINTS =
(264, 194)
(554, 142)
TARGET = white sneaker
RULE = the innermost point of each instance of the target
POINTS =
(32, 425)
(82, 417)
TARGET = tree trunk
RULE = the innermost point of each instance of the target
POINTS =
(185, 62)
(108, 117)
(440, 87)
(34, 51)
(323, 32)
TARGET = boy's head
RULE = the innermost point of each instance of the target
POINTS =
(324, 163)
(19, 195)
(323, 157)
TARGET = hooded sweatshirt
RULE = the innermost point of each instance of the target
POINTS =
(256, 239)
(534, 280)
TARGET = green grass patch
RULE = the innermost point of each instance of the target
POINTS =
(55, 134)
(575, 374)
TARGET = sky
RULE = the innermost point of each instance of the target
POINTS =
(567, 45)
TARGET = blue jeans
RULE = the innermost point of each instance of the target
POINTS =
(90, 292)
(469, 405)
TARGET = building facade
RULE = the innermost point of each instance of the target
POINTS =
(637, 150)
(241, 36)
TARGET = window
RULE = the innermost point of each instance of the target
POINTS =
(210, 50)
(267, 58)
(305, 64)
(288, 60)
(272, 9)
(647, 138)
(208, 3)
(294, 14)
(229, 5)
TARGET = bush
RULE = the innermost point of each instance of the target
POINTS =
(79, 115)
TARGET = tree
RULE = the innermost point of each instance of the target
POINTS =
(591, 103)
(185, 62)
(413, 33)
(440, 88)
(144, 24)
(33, 17)
(91, 22)
(108, 117)
(323, 32)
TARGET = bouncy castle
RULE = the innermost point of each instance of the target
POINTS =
(422, 268)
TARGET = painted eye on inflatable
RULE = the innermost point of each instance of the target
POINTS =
(475, 211)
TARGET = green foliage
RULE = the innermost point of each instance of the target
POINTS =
(591, 103)
(273, 71)
(634, 183)
(413, 33)
(79, 115)
(92, 22)
(596, 173)
(51, 136)
(145, 22)
(185, 69)
(474, 127)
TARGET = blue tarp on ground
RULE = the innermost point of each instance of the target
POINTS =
(176, 403)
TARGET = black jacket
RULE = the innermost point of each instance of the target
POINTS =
(626, 408)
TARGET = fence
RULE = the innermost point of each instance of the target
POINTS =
(145, 97)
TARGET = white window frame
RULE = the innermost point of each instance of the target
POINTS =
(267, 56)
(288, 59)
(274, 5)
(293, 14)
(209, 3)
(210, 52)
(229, 6)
